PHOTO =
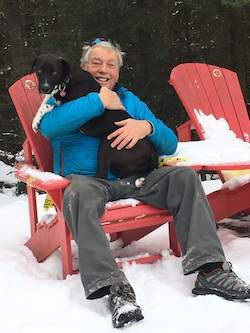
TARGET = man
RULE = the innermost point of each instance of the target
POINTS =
(176, 189)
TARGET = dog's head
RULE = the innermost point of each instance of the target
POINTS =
(51, 71)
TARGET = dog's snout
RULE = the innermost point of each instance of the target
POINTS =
(45, 88)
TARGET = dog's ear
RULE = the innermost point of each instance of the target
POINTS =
(33, 65)
(65, 66)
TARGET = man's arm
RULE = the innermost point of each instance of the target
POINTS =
(144, 124)
(129, 132)
(163, 137)
(70, 116)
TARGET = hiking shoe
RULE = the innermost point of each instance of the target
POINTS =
(222, 282)
(123, 305)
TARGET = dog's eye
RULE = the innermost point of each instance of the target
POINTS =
(54, 73)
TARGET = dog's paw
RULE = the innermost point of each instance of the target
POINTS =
(35, 125)
(139, 182)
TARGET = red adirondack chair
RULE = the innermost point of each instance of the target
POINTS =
(125, 221)
(216, 91)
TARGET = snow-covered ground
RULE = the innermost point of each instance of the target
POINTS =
(35, 299)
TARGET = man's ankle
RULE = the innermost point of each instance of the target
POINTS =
(210, 266)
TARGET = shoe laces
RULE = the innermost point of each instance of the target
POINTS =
(125, 292)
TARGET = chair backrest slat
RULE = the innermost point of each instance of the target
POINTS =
(239, 103)
(27, 99)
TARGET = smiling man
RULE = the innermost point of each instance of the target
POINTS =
(177, 189)
(103, 64)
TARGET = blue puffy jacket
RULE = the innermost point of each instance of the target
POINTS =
(76, 153)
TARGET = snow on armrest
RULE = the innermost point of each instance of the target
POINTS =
(40, 180)
(235, 182)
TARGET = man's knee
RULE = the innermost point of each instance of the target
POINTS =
(84, 193)
(186, 172)
(186, 176)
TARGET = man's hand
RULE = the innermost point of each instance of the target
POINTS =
(110, 99)
(130, 131)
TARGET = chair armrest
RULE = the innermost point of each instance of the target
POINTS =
(41, 180)
(184, 131)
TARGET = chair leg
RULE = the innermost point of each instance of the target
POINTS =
(174, 244)
(64, 234)
(32, 209)
(65, 244)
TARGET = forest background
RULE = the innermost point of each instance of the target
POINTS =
(156, 36)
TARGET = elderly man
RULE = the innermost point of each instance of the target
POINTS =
(177, 189)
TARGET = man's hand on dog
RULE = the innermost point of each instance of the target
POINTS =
(110, 99)
(130, 131)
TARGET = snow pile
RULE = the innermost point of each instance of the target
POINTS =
(220, 147)
(214, 128)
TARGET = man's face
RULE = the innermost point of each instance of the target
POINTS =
(103, 66)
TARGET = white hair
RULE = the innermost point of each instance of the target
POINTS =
(86, 50)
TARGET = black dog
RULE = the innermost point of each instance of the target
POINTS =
(57, 77)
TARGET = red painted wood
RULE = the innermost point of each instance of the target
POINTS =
(41, 183)
(197, 84)
(211, 93)
(229, 111)
(27, 102)
(31, 192)
(214, 90)
(184, 131)
(174, 244)
(239, 104)
(226, 203)
(178, 79)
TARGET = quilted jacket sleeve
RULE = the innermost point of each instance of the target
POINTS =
(70, 116)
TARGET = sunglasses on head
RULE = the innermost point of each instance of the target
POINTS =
(94, 42)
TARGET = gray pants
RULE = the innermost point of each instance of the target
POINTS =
(177, 189)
